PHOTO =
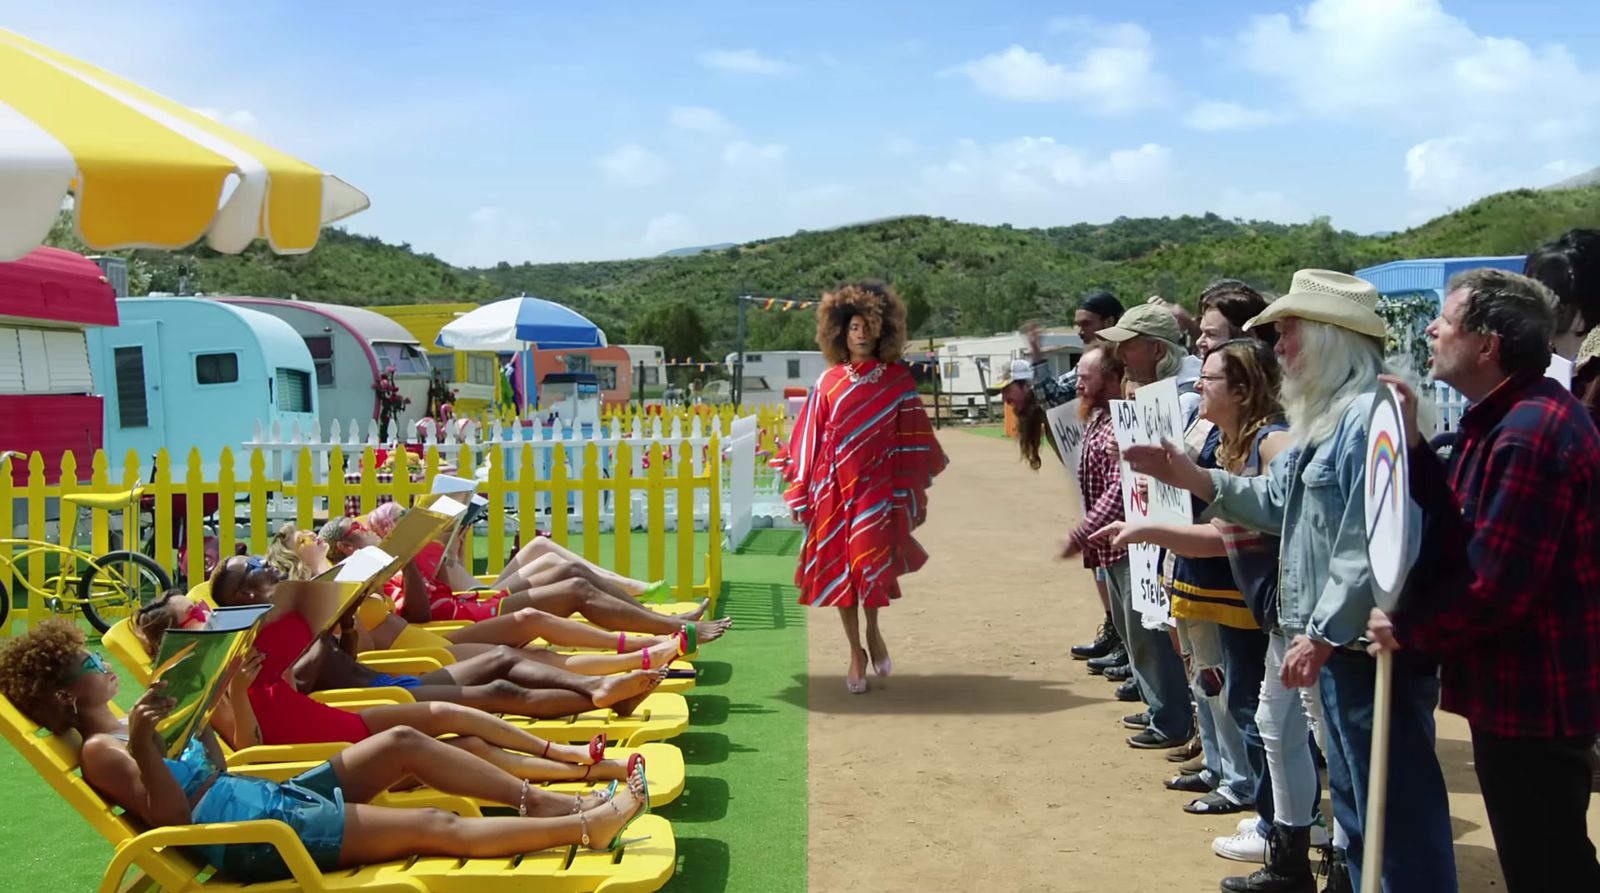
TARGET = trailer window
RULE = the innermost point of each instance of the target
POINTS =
(132, 410)
(607, 376)
(216, 368)
(794, 369)
(405, 358)
(294, 390)
(321, 347)
(482, 369)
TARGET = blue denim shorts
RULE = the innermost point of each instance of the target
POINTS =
(311, 803)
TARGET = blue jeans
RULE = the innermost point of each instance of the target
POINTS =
(1227, 764)
(1244, 660)
(1156, 666)
(1421, 856)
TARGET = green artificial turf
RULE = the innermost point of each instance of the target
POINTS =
(740, 824)
(996, 431)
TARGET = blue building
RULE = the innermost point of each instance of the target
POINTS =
(1431, 274)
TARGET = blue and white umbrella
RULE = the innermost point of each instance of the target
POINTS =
(515, 324)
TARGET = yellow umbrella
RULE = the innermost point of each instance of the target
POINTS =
(143, 171)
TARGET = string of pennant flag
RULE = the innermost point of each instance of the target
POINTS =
(780, 304)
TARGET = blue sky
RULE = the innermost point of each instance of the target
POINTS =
(568, 131)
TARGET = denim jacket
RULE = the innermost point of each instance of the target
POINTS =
(1314, 497)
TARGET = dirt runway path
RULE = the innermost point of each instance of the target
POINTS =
(991, 760)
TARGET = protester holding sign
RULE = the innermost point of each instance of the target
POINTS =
(1331, 343)
(1057, 399)
(1510, 601)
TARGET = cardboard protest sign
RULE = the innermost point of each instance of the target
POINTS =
(1066, 432)
(1388, 488)
(1149, 598)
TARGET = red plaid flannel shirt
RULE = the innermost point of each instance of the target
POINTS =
(1506, 592)
(1100, 479)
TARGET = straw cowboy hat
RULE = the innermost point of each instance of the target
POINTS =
(1337, 299)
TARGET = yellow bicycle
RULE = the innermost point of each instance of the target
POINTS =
(106, 587)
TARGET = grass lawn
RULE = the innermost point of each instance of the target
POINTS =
(740, 823)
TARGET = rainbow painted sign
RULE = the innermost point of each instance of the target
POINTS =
(1387, 502)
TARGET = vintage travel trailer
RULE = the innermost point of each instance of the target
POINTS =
(351, 347)
(50, 300)
(768, 373)
(609, 365)
(188, 372)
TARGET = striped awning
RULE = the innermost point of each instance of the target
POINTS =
(143, 171)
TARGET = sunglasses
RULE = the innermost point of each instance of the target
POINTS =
(92, 663)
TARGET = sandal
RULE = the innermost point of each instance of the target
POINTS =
(597, 748)
(1215, 804)
(1193, 784)
(857, 686)
(643, 793)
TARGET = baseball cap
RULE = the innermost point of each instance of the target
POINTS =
(1021, 370)
(1102, 303)
(1149, 320)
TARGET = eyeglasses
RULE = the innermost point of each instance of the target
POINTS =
(92, 663)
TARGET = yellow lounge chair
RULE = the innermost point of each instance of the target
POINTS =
(158, 862)
(659, 717)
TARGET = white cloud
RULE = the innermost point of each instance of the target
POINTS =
(669, 231)
(1211, 115)
(239, 119)
(699, 120)
(1038, 181)
(1410, 61)
(495, 234)
(750, 157)
(744, 62)
(1448, 172)
(632, 166)
(1114, 73)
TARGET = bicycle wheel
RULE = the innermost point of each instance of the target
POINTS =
(5, 609)
(118, 583)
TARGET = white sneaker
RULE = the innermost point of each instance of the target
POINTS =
(1247, 845)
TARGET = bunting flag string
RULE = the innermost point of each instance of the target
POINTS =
(779, 304)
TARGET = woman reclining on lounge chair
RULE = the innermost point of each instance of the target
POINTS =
(287, 716)
(563, 587)
(51, 677)
(302, 555)
(504, 681)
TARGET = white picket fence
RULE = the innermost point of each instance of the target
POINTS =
(281, 451)
(1450, 405)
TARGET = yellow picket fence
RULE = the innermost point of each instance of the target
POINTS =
(249, 495)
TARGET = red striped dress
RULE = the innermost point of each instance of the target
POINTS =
(860, 460)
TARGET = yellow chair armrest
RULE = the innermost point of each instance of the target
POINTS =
(285, 753)
(440, 656)
(444, 626)
(415, 666)
(361, 698)
(274, 833)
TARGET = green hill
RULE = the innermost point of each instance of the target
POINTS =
(959, 277)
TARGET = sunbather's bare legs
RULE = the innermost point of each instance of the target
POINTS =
(378, 834)
(575, 694)
(578, 596)
(604, 664)
(522, 625)
(540, 546)
(541, 770)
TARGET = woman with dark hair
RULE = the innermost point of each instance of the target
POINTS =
(859, 463)
(1570, 267)
(1226, 306)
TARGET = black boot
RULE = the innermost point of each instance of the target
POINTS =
(1105, 639)
(1288, 868)
(1337, 870)
(1117, 656)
